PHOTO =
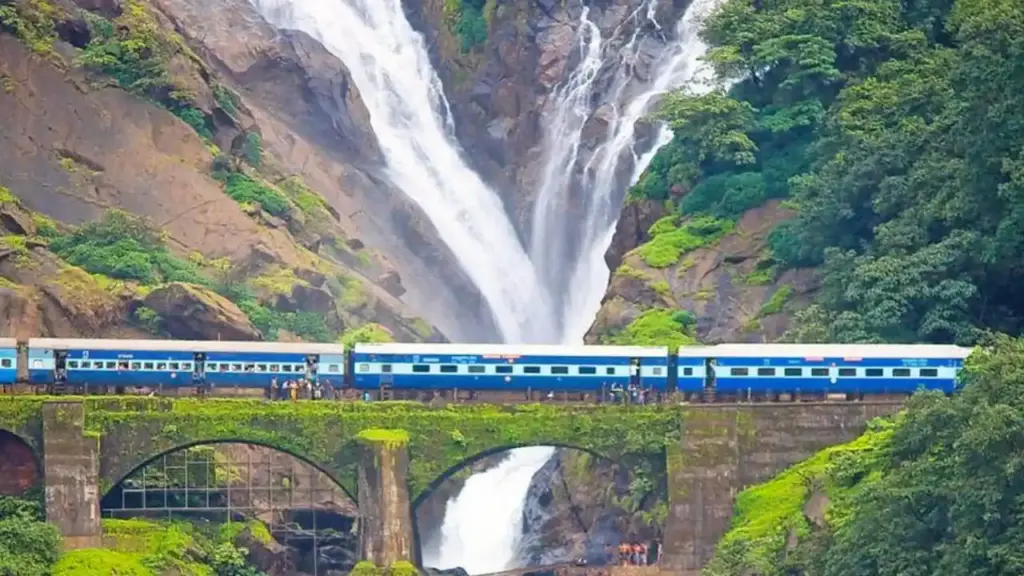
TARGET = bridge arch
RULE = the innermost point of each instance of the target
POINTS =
(21, 466)
(185, 446)
(469, 461)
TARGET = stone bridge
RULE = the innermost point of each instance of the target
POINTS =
(390, 455)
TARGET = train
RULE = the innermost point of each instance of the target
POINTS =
(406, 370)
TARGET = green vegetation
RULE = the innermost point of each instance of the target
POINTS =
(243, 189)
(669, 242)
(390, 438)
(146, 548)
(777, 301)
(252, 149)
(470, 20)
(325, 432)
(28, 545)
(888, 125)
(658, 327)
(32, 21)
(368, 333)
(124, 246)
(936, 491)
(135, 51)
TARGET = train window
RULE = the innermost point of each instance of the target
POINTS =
(186, 365)
(766, 371)
(123, 365)
(6, 362)
(739, 372)
(503, 369)
(236, 367)
(136, 365)
(559, 369)
(223, 367)
(71, 364)
(656, 371)
(111, 365)
(874, 372)
(588, 370)
(385, 368)
(161, 366)
(274, 367)
(477, 369)
(929, 372)
(175, 366)
(261, 367)
(793, 371)
(531, 369)
(364, 367)
(819, 372)
(148, 365)
(332, 368)
(421, 368)
(449, 369)
(250, 367)
(610, 371)
(848, 372)
(901, 372)
(688, 371)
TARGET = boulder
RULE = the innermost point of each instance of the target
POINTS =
(269, 556)
(108, 8)
(197, 313)
(391, 282)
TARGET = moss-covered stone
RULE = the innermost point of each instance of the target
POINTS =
(440, 440)
(668, 242)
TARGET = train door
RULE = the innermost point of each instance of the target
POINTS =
(312, 367)
(199, 370)
(634, 373)
(709, 379)
(60, 371)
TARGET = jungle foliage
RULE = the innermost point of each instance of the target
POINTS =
(894, 128)
(28, 545)
(936, 492)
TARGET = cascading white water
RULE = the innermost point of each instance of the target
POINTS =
(410, 116)
(389, 64)
(580, 250)
(482, 525)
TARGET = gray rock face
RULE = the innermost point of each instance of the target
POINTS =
(573, 510)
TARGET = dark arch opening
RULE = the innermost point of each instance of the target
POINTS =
(455, 469)
(20, 466)
(151, 460)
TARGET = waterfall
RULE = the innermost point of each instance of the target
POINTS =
(389, 64)
(410, 116)
(571, 258)
(469, 538)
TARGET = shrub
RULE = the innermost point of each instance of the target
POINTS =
(242, 189)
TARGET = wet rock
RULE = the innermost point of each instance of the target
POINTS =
(271, 557)
(75, 32)
(108, 8)
(631, 231)
(196, 313)
(391, 282)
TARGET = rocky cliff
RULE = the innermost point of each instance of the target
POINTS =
(249, 149)
(678, 279)
(501, 64)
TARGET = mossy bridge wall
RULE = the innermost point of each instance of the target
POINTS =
(390, 454)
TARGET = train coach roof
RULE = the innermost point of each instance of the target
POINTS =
(186, 346)
(8, 342)
(826, 351)
(514, 349)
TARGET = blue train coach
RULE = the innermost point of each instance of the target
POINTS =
(176, 363)
(757, 369)
(507, 367)
(8, 360)
(257, 364)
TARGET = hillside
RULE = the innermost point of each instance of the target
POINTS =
(248, 168)
(932, 491)
(890, 132)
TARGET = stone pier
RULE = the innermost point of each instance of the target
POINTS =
(385, 515)
(71, 473)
